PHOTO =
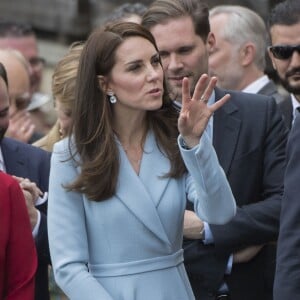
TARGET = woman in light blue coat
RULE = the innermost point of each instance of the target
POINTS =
(118, 187)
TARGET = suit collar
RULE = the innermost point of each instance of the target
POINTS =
(226, 129)
(269, 89)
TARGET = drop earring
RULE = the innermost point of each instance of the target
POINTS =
(112, 98)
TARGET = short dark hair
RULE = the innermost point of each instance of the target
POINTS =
(10, 28)
(285, 13)
(126, 10)
(160, 11)
(3, 74)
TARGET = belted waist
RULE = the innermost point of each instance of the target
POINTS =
(137, 266)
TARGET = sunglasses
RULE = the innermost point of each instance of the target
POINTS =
(284, 51)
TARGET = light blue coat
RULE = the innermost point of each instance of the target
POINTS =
(129, 246)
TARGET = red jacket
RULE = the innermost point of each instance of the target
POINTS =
(18, 260)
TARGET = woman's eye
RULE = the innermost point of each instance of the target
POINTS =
(134, 67)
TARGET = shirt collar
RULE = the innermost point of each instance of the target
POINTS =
(2, 165)
(295, 104)
(256, 85)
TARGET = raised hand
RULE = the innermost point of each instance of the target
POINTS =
(20, 126)
(195, 112)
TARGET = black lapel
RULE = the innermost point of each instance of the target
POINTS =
(226, 131)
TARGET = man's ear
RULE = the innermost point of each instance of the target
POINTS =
(247, 54)
(272, 58)
(210, 42)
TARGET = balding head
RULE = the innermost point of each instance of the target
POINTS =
(18, 78)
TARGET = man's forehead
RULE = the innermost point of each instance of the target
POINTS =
(173, 25)
(174, 34)
(285, 34)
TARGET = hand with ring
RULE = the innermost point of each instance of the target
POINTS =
(195, 112)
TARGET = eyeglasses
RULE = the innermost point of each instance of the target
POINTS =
(284, 51)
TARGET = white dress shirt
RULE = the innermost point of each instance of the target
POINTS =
(257, 85)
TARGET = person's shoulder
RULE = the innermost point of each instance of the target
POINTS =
(23, 147)
(248, 101)
(62, 144)
(65, 149)
(240, 96)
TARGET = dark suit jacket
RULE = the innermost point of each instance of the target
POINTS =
(287, 279)
(286, 108)
(33, 163)
(249, 136)
(271, 90)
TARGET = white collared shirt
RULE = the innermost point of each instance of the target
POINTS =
(2, 165)
(295, 104)
(257, 85)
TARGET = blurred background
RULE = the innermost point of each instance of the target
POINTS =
(60, 22)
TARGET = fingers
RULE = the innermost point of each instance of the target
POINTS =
(186, 96)
(28, 186)
(203, 90)
(200, 88)
(20, 126)
(209, 89)
(219, 103)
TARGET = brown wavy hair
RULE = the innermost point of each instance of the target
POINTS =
(93, 130)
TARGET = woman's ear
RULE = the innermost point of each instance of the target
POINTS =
(103, 85)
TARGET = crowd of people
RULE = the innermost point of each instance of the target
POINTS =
(171, 171)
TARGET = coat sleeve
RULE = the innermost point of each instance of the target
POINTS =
(206, 184)
(67, 232)
(21, 256)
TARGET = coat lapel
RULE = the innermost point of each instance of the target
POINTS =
(226, 131)
(286, 108)
(133, 190)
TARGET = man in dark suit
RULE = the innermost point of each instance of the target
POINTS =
(250, 138)
(31, 165)
(287, 278)
(284, 28)
(239, 63)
